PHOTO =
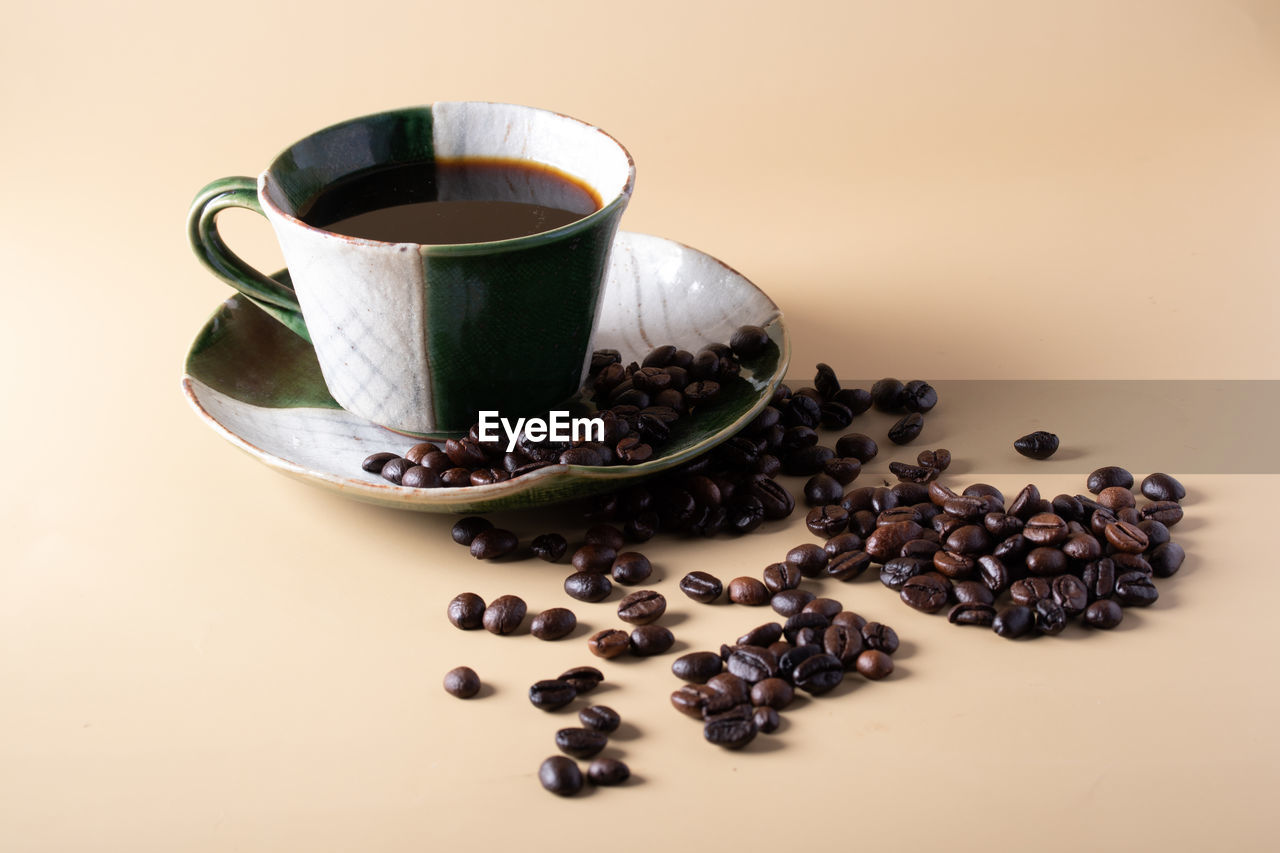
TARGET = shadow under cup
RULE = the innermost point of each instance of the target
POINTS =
(420, 338)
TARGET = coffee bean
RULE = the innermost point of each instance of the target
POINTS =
(551, 694)
(633, 450)
(843, 642)
(697, 666)
(465, 529)
(466, 611)
(939, 459)
(969, 540)
(1162, 487)
(593, 558)
(773, 497)
(1046, 529)
(827, 521)
(642, 607)
(808, 461)
(1037, 445)
(701, 587)
(1027, 591)
(1046, 562)
(810, 559)
(504, 614)
(918, 396)
(588, 586)
(419, 477)
(818, 674)
(1167, 513)
(730, 734)
(1166, 559)
(394, 469)
(843, 469)
(649, 640)
(972, 613)
(907, 429)
(912, 473)
(953, 564)
(772, 693)
(1126, 537)
(731, 687)
(822, 489)
(608, 771)
(886, 395)
(560, 775)
(880, 637)
(748, 591)
(692, 699)
(493, 544)
(1157, 533)
(1082, 546)
(631, 567)
(1135, 589)
(874, 664)
(1014, 621)
(993, 573)
(581, 743)
(553, 624)
(1100, 578)
(1050, 617)
(549, 546)
(749, 341)
(927, 593)
(608, 643)
(886, 541)
(858, 446)
(462, 682)
(766, 719)
(971, 592)
(897, 572)
(583, 678)
(1070, 593)
(603, 534)
(600, 718)
(752, 663)
(848, 565)
(374, 463)
(1104, 614)
(781, 576)
(1111, 475)
(789, 602)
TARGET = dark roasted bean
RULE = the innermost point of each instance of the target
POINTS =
(849, 619)
(809, 558)
(781, 576)
(549, 546)
(580, 742)
(818, 674)
(551, 694)
(749, 341)
(600, 718)
(886, 541)
(1161, 487)
(1166, 559)
(971, 592)
(752, 663)
(701, 587)
(374, 463)
(593, 558)
(897, 572)
(886, 395)
(848, 565)
(560, 775)
(504, 614)
(608, 771)
(642, 607)
(730, 733)
(466, 611)
(553, 624)
(583, 678)
(697, 666)
(880, 637)
(912, 473)
(462, 682)
(692, 699)
(1167, 513)
(789, 602)
(858, 446)
(465, 529)
(649, 640)
(1111, 475)
(1135, 589)
(874, 664)
(588, 586)
(493, 544)
(772, 693)
(993, 573)
(394, 469)
(1046, 562)
(843, 469)
(954, 565)
(907, 429)
(1100, 578)
(828, 607)
(1050, 617)
(827, 521)
(1014, 621)
(1027, 591)
(775, 500)
(918, 396)
(939, 459)
(928, 592)
(608, 643)
(766, 719)
(972, 613)
(631, 567)
(843, 643)
(1037, 445)
(1070, 593)
(1103, 613)
(748, 591)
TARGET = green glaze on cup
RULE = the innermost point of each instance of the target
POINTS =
(419, 338)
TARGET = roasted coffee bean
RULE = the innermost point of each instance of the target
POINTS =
(1001, 525)
(907, 429)
(913, 473)
(818, 674)
(761, 635)
(849, 619)
(969, 540)
(827, 521)
(856, 500)
(880, 637)
(1014, 621)
(1111, 475)
(825, 381)
(858, 446)
(1082, 546)
(588, 586)
(462, 682)
(766, 719)
(608, 771)
(1027, 591)
(1026, 503)
(1099, 520)
(609, 643)
(1046, 562)
(822, 489)
(731, 686)
(843, 469)
(642, 607)
(731, 733)
(752, 663)
(466, 611)
(560, 775)
(454, 478)
(649, 640)
(856, 400)
(898, 514)
(748, 591)
(1126, 537)
(843, 642)
(553, 624)
(1070, 593)
(863, 523)
(927, 593)
(965, 507)
(954, 565)
(971, 592)
(775, 500)
(1100, 578)
(419, 477)
(810, 461)
(1157, 533)
(886, 541)
(631, 567)
(692, 699)
(394, 469)
(1104, 614)
(697, 666)
(799, 621)
(772, 693)
(743, 514)
(792, 657)
(1116, 498)
(939, 459)
(828, 607)
(789, 602)
(1037, 445)
(600, 718)
(504, 614)
(483, 476)
(549, 546)
(993, 573)
(749, 341)
(1160, 487)
(1135, 589)
(918, 396)
(465, 529)
(848, 565)
(874, 664)
(810, 559)
(1166, 559)
(583, 678)
(493, 544)
(1167, 513)
(1070, 508)
(633, 450)
(781, 576)
(835, 415)
(1050, 617)
(972, 613)
(593, 558)
(581, 743)
(897, 572)
(701, 587)
(374, 463)
(886, 395)
(551, 694)
(604, 534)
(1046, 529)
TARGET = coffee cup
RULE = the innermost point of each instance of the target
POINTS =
(420, 336)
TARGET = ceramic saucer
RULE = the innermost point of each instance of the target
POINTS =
(258, 385)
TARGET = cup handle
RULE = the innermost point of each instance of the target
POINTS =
(277, 299)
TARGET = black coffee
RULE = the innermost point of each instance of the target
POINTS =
(471, 200)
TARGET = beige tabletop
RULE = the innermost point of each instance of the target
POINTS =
(197, 653)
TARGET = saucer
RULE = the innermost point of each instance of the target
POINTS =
(259, 386)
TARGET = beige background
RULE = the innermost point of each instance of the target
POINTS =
(199, 654)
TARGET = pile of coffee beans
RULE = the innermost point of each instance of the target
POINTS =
(1023, 567)
(638, 405)
(562, 775)
(739, 691)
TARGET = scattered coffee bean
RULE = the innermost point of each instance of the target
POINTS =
(600, 718)
(749, 341)
(1111, 475)
(553, 624)
(609, 643)
(1014, 621)
(504, 614)
(697, 667)
(858, 446)
(766, 719)
(880, 637)
(583, 678)
(649, 640)
(874, 664)
(465, 529)
(789, 602)
(374, 463)
(1037, 445)
(593, 558)
(1104, 613)
(630, 568)
(818, 674)
(642, 607)
(701, 587)
(494, 544)
(560, 775)
(462, 682)
(551, 694)
(907, 429)
(939, 459)
(1162, 487)
(549, 546)
(730, 733)
(581, 743)
(466, 611)
(748, 591)
(588, 586)
(972, 613)
(607, 771)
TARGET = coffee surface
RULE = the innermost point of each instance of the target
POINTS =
(470, 200)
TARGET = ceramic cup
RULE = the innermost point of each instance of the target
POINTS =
(419, 338)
